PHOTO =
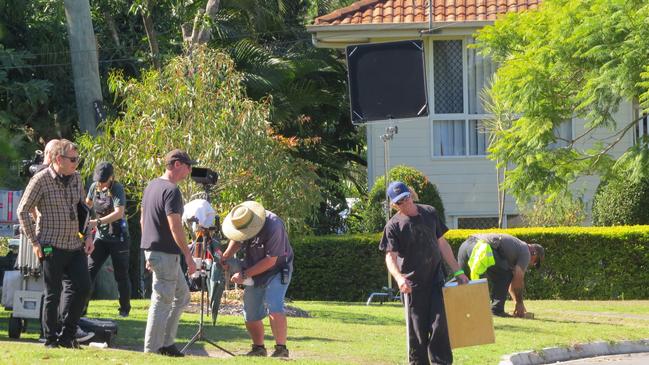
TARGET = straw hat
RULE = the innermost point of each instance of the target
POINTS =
(244, 221)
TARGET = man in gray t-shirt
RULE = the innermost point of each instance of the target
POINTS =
(512, 258)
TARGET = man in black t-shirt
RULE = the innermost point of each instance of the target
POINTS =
(414, 243)
(511, 258)
(163, 240)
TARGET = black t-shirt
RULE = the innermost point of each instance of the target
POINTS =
(104, 203)
(414, 239)
(160, 199)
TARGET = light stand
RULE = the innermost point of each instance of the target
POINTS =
(199, 335)
(386, 138)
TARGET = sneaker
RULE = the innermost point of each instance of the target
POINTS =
(51, 344)
(257, 350)
(69, 344)
(123, 313)
(170, 351)
(280, 351)
(83, 336)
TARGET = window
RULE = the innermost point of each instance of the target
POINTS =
(459, 76)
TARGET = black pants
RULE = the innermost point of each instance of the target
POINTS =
(119, 252)
(428, 331)
(69, 269)
(499, 280)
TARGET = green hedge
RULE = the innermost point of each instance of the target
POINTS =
(581, 263)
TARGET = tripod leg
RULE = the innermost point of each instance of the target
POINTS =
(218, 347)
(195, 338)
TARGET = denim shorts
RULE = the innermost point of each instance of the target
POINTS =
(259, 301)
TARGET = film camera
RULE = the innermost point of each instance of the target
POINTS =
(30, 167)
(204, 176)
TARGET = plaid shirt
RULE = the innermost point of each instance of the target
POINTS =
(57, 223)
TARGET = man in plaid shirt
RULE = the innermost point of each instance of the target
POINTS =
(55, 192)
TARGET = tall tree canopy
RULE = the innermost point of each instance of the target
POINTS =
(197, 103)
(568, 59)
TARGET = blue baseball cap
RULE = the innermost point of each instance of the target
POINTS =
(397, 191)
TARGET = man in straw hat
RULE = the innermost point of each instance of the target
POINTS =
(503, 260)
(163, 240)
(268, 262)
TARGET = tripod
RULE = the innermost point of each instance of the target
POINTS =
(199, 335)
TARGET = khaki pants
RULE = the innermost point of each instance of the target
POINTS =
(170, 295)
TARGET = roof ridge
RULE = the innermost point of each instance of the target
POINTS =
(353, 7)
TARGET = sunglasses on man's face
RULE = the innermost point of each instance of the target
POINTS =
(72, 159)
(402, 200)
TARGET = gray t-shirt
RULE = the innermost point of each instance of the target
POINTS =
(508, 250)
(160, 199)
(272, 241)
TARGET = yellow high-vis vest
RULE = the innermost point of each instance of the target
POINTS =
(482, 257)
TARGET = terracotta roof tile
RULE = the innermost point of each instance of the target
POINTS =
(416, 11)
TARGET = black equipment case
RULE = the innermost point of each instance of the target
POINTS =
(105, 330)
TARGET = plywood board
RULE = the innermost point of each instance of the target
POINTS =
(468, 313)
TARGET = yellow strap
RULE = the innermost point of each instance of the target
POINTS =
(482, 257)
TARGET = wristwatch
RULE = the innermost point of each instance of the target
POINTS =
(243, 275)
(98, 221)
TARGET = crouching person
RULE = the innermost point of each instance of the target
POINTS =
(268, 262)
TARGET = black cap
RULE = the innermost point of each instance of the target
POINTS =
(103, 171)
(178, 155)
(539, 251)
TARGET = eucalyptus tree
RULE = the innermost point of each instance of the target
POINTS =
(569, 59)
(198, 103)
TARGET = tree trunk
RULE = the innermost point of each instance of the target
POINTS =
(85, 63)
(198, 34)
(151, 35)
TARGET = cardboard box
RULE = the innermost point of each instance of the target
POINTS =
(468, 314)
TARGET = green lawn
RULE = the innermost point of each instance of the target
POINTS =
(344, 333)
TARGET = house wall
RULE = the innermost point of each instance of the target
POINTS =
(467, 184)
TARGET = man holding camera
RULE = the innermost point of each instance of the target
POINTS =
(269, 263)
(55, 192)
(163, 240)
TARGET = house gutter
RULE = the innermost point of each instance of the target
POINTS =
(341, 35)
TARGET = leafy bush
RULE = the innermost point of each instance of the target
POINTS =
(621, 202)
(370, 217)
(563, 210)
(596, 263)
(198, 103)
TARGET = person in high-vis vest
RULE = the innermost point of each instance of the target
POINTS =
(502, 259)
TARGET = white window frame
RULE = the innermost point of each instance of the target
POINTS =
(465, 116)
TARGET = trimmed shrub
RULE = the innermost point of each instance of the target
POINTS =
(370, 214)
(596, 263)
(620, 202)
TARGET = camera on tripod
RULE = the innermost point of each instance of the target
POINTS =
(204, 176)
(29, 168)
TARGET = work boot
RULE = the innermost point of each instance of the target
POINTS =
(280, 351)
(257, 350)
(171, 350)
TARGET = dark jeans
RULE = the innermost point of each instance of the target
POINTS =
(499, 280)
(119, 253)
(428, 331)
(69, 269)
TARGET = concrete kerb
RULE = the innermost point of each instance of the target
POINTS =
(550, 355)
